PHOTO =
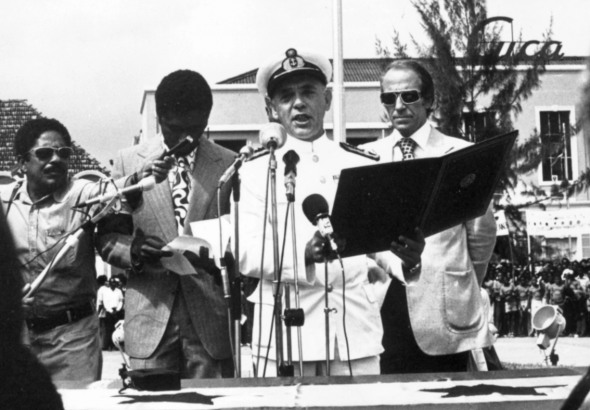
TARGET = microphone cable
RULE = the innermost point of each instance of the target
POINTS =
(261, 270)
(278, 287)
(88, 218)
(344, 312)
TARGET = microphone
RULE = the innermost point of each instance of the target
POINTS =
(172, 151)
(316, 209)
(144, 185)
(290, 159)
(245, 153)
(272, 135)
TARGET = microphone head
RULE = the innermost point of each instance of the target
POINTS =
(148, 183)
(272, 133)
(291, 157)
(315, 205)
(247, 151)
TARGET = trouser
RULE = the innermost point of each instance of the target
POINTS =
(70, 351)
(338, 367)
(109, 327)
(402, 353)
(499, 317)
(181, 349)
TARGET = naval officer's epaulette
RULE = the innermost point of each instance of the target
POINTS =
(367, 153)
(259, 152)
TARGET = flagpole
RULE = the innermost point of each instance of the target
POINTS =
(338, 83)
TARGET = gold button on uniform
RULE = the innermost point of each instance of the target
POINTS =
(330, 288)
(315, 158)
(322, 180)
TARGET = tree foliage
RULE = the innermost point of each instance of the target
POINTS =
(473, 79)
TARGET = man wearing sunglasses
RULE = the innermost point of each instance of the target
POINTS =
(432, 326)
(62, 326)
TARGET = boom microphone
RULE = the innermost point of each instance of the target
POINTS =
(316, 209)
(290, 159)
(245, 153)
(144, 185)
(272, 135)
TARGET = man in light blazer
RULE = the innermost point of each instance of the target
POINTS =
(432, 325)
(177, 322)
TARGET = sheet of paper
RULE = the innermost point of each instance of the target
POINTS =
(178, 263)
(209, 232)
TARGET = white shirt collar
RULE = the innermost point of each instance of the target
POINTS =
(420, 137)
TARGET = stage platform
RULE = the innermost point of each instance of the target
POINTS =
(520, 389)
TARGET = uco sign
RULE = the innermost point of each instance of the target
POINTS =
(550, 50)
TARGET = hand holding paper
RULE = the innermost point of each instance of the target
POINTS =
(200, 251)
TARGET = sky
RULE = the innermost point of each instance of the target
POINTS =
(87, 63)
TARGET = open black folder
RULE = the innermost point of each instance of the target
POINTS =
(376, 204)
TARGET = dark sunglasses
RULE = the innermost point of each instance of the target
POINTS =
(46, 153)
(408, 97)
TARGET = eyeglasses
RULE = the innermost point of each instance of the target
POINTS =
(46, 153)
(408, 97)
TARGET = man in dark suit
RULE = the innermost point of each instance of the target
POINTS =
(177, 322)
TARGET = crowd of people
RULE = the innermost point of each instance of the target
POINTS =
(517, 292)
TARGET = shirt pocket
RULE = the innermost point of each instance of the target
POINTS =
(462, 307)
(55, 238)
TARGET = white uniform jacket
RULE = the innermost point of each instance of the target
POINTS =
(317, 173)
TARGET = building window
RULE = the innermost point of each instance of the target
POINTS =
(476, 124)
(556, 137)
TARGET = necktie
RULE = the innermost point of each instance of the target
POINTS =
(407, 146)
(180, 192)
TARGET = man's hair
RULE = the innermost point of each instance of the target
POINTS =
(28, 134)
(427, 91)
(181, 92)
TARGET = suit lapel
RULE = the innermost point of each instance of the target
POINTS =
(205, 179)
(159, 200)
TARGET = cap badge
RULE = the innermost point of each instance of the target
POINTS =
(292, 61)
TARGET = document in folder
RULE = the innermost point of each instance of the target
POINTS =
(376, 204)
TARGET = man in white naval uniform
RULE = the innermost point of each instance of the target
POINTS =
(294, 86)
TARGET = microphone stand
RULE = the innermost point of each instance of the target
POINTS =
(327, 311)
(236, 281)
(293, 317)
(225, 263)
(71, 241)
(277, 289)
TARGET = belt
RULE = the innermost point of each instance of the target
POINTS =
(43, 324)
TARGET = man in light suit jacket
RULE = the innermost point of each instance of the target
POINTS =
(431, 325)
(177, 322)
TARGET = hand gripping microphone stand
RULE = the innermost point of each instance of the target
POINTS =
(293, 317)
(273, 136)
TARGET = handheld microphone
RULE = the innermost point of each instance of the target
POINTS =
(272, 135)
(144, 185)
(316, 209)
(172, 151)
(245, 153)
(290, 159)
